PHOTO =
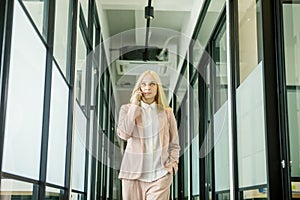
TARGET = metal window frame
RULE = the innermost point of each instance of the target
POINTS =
(272, 119)
(6, 42)
(204, 61)
(49, 18)
(71, 60)
(6, 23)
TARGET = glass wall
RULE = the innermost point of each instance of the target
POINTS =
(46, 133)
(25, 99)
(55, 134)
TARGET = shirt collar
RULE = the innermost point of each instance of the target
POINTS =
(145, 105)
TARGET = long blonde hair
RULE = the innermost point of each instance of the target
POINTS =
(160, 97)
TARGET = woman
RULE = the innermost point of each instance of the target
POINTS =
(152, 151)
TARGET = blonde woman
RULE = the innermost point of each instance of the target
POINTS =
(151, 156)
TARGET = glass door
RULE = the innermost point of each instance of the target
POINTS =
(291, 31)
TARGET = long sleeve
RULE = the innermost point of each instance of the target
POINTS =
(174, 147)
(127, 116)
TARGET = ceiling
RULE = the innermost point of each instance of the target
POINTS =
(127, 25)
(123, 16)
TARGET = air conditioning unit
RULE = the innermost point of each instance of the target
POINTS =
(131, 61)
(132, 67)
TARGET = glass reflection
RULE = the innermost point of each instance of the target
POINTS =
(25, 99)
(80, 68)
(36, 11)
(13, 189)
(54, 193)
(60, 45)
(221, 151)
(250, 99)
(291, 13)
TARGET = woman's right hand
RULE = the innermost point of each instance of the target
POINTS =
(137, 97)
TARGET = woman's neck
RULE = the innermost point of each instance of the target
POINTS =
(148, 101)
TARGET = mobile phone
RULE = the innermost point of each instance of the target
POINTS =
(141, 91)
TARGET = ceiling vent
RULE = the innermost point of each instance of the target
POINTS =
(131, 60)
(127, 67)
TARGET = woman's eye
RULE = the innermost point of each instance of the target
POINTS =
(143, 84)
(152, 84)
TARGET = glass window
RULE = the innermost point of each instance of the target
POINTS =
(77, 196)
(250, 98)
(61, 31)
(182, 89)
(249, 37)
(78, 170)
(259, 193)
(221, 136)
(210, 20)
(85, 9)
(25, 99)
(184, 136)
(36, 10)
(95, 34)
(58, 129)
(292, 61)
(195, 143)
(80, 68)
(186, 189)
(54, 193)
(14, 189)
(291, 14)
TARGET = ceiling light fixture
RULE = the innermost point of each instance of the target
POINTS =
(149, 14)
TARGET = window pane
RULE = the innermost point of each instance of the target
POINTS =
(221, 152)
(85, 8)
(222, 149)
(54, 193)
(61, 34)
(79, 149)
(251, 130)
(195, 143)
(260, 193)
(181, 91)
(295, 190)
(58, 129)
(291, 47)
(80, 68)
(23, 126)
(210, 20)
(14, 189)
(77, 196)
(250, 98)
(249, 36)
(36, 11)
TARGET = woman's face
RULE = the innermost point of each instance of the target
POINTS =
(149, 88)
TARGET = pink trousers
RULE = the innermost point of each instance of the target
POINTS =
(140, 190)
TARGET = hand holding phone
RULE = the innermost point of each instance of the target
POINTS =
(138, 96)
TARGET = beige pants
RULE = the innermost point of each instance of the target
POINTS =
(140, 190)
